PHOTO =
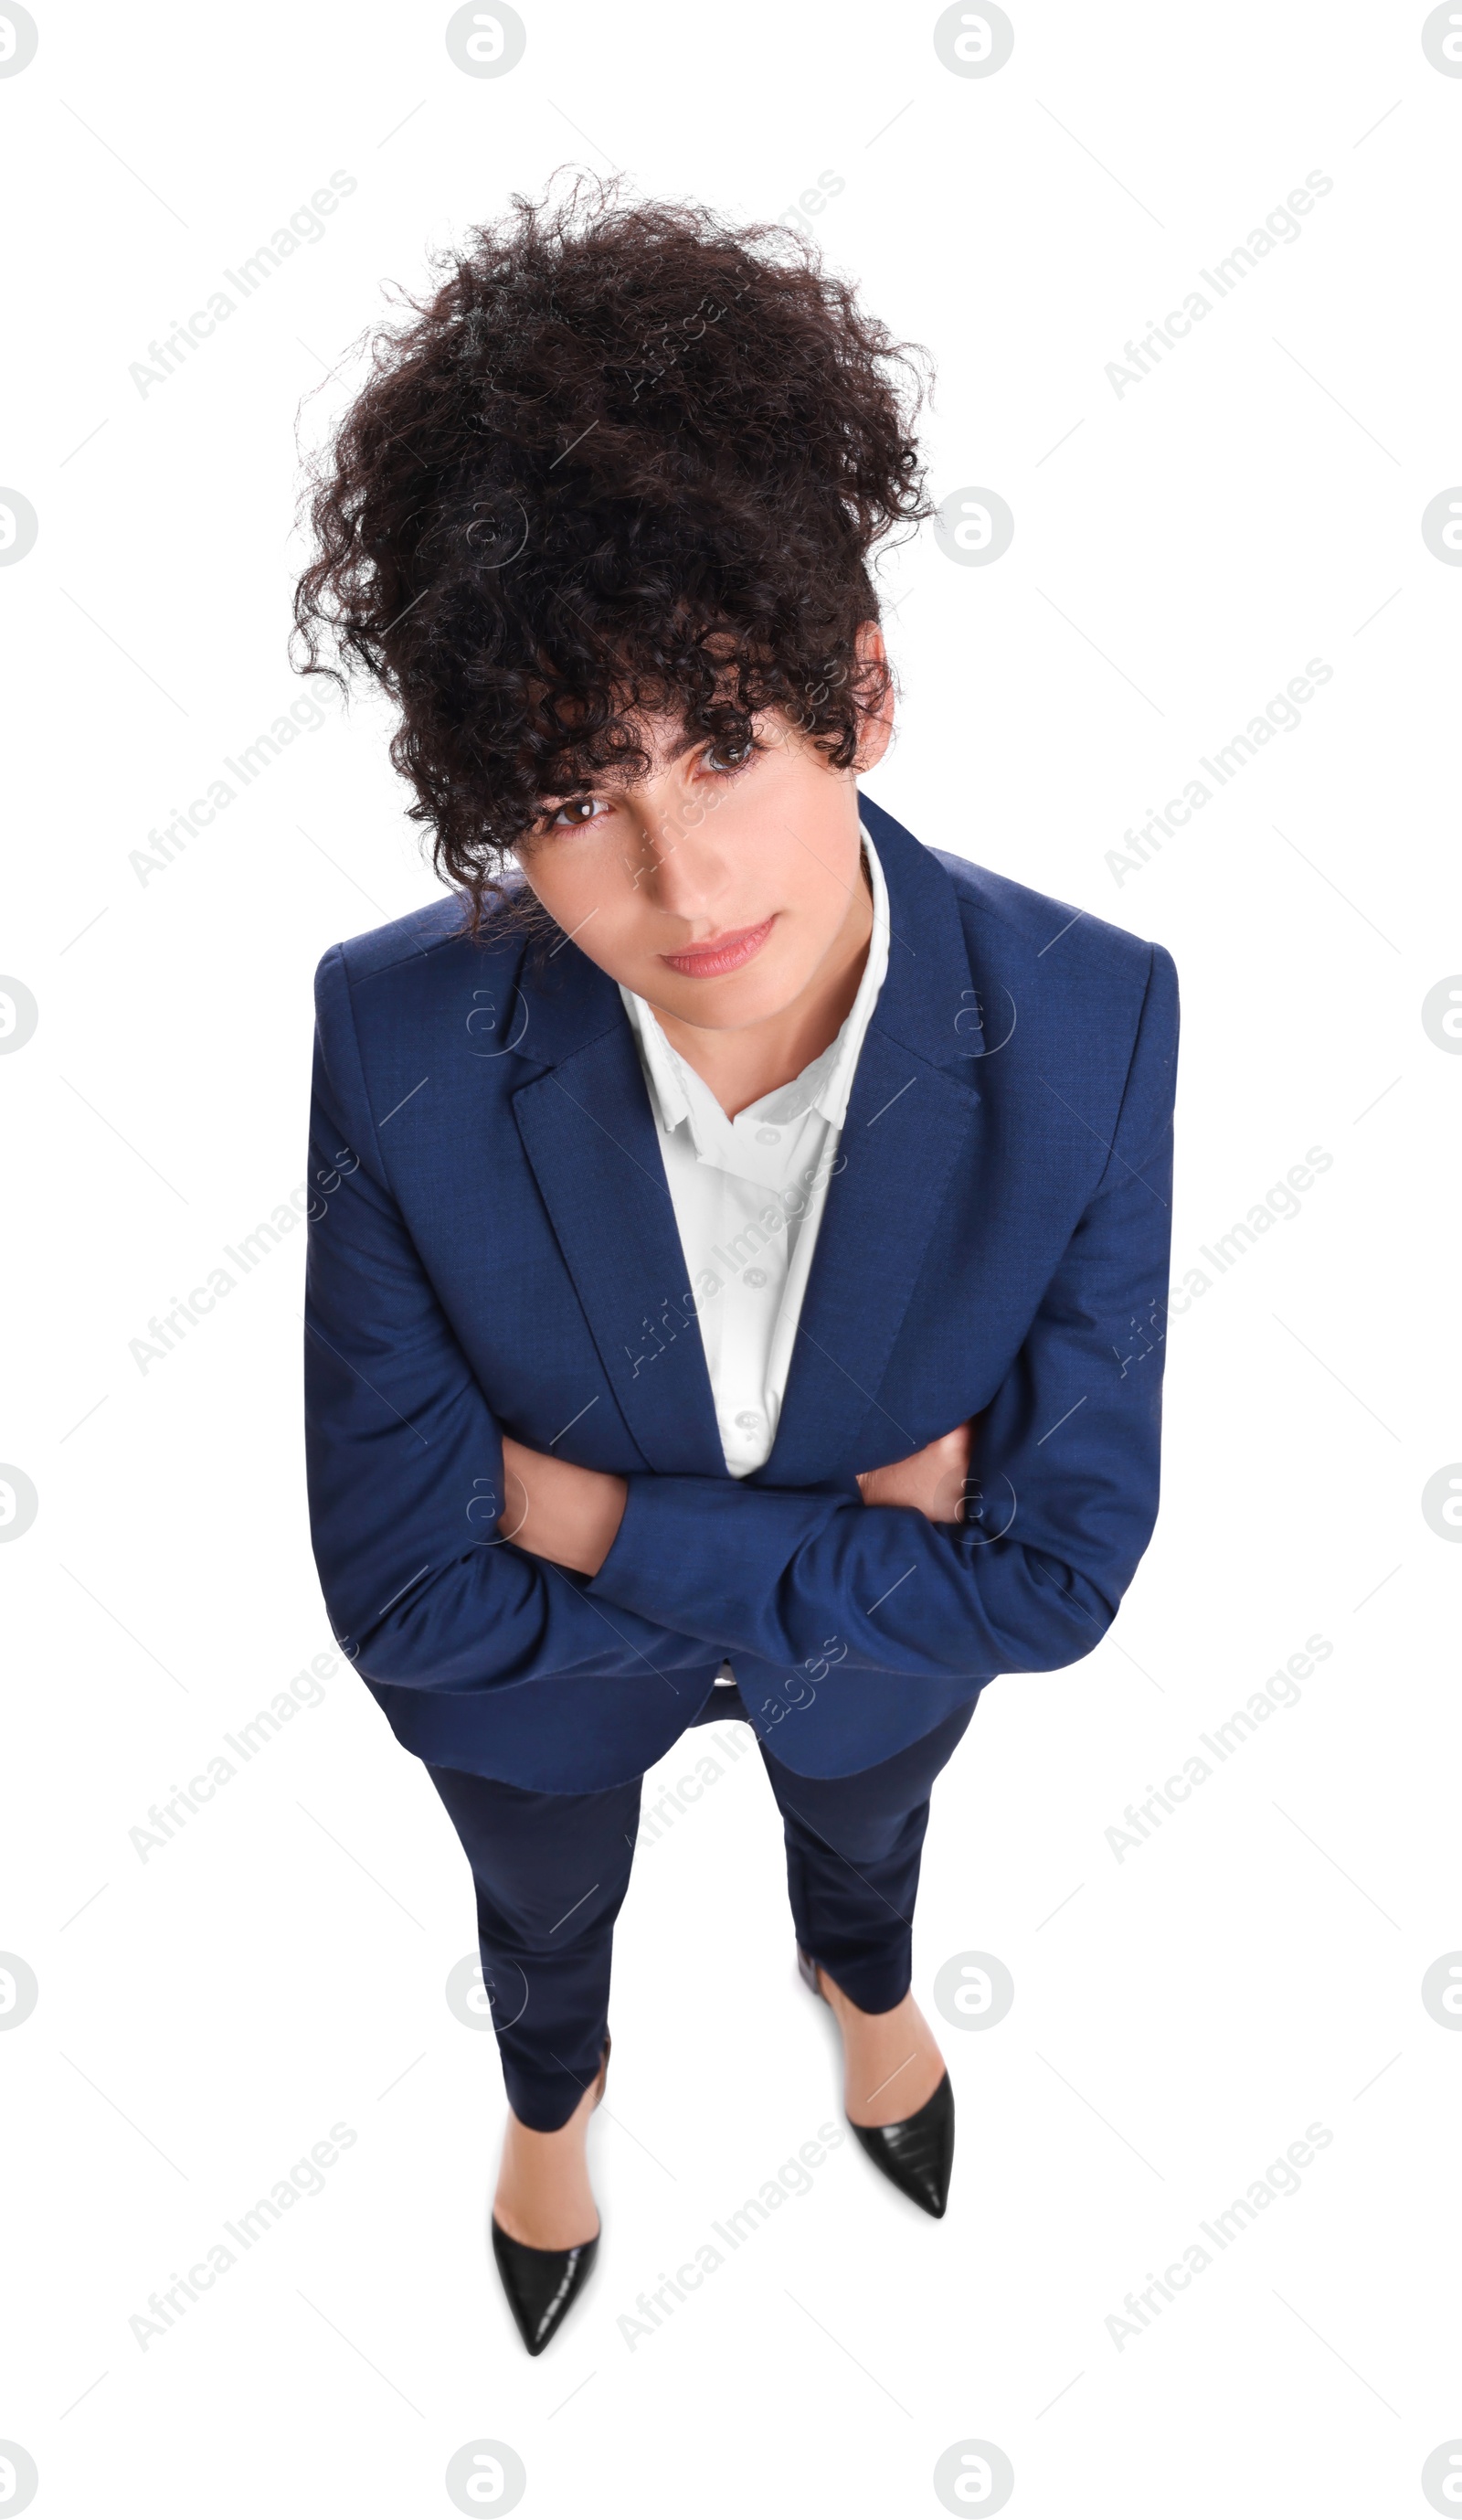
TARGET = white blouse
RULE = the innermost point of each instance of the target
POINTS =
(748, 1196)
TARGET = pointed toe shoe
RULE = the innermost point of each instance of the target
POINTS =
(916, 2154)
(542, 2286)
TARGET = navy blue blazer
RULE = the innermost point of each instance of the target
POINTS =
(491, 1249)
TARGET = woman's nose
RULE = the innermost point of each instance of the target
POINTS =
(675, 859)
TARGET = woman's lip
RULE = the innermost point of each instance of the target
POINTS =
(721, 954)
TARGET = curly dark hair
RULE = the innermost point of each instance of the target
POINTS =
(626, 459)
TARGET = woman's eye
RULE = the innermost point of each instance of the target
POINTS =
(722, 760)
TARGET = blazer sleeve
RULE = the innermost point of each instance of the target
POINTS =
(403, 1455)
(1066, 1456)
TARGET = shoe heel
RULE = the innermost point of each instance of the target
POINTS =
(806, 1968)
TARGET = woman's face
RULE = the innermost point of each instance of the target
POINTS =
(717, 885)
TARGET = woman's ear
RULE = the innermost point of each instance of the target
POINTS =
(878, 718)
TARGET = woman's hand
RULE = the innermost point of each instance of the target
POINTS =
(933, 1480)
(556, 1510)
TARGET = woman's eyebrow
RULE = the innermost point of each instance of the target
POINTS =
(612, 776)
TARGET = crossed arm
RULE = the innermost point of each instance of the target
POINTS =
(570, 1516)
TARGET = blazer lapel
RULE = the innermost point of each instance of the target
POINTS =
(590, 1136)
(912, 1118)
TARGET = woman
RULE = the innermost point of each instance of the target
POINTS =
(742, 1232)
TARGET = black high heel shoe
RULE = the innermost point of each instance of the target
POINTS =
(917, 2153)
(543, 2284)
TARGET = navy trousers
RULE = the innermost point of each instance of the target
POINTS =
(552, 1871)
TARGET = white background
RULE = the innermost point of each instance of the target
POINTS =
(1180, 551)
